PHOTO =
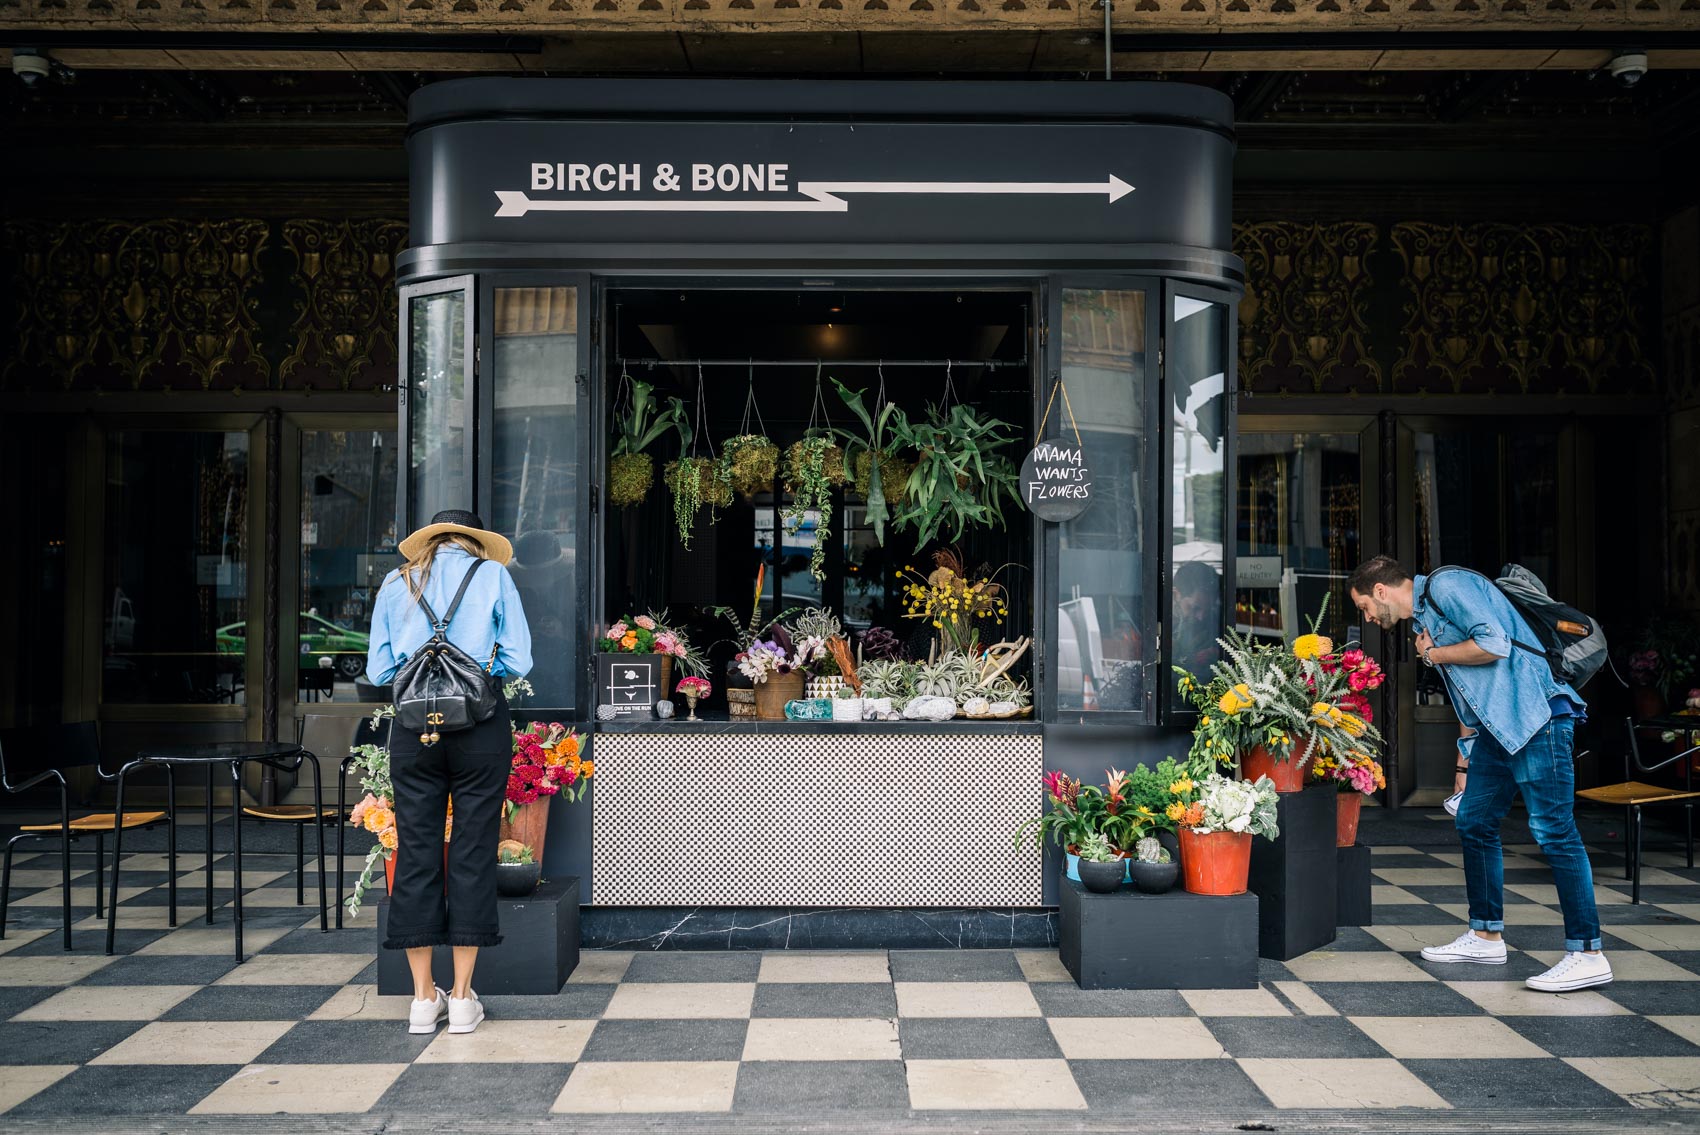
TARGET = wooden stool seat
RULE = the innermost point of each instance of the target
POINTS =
(294, 813)
(1632, 792)
(99, 822)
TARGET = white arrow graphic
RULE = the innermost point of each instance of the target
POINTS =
(822, 197)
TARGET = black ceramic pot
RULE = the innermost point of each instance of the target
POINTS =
(1155, 878)
(1102, 878)
(516, 880)
(1171, 843)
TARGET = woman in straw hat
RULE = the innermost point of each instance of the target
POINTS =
(471, 764)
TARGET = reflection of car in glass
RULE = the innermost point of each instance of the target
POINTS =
(319, 638)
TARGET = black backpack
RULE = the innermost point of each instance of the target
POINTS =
(441, 689)
(1572, 643)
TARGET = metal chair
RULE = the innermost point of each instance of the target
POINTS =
(1633, 795)
(367, 734)
(55, 750)
(320, 735)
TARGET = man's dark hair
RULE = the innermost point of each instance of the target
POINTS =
(1195, 576)
(1379, 569)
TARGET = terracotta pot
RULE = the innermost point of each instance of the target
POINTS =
(1288, 775)
(1350, 806)
(1648, 702)
(1215, 864)
(530, 825)
(772, 695)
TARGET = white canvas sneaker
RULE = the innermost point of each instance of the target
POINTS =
(1573, 971)
(465, 1014)
(425, 1016)
(1467, 948)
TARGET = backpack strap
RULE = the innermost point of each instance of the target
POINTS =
(440, 626)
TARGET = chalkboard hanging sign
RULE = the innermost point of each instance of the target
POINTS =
(1056, 483)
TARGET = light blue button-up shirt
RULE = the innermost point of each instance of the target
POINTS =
(490, 618)
(1512, 698)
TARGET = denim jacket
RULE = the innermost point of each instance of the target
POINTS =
(1510, 698)
(490, 618)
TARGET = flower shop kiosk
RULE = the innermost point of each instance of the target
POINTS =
(704, 352)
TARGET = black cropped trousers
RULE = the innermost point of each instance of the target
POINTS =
(472, 765)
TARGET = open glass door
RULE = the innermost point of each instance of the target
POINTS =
(438, 361)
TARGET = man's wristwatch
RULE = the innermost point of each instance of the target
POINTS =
(1424, 655)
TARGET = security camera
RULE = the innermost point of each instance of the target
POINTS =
(31, 66)
(1627, 67)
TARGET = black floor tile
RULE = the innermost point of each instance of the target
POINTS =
(1512, 1084)
(825, 999)
(1409, 914)
(251, 1003)
(14, 999)
(955, 965)
(666, 1040)
(1687, 959)
(1131, 1086)
(1286, 1037)
(572, 1003)
(87, 941)
(977, 1038)
(471, 1089)
(1450, 895)
(126, 1089)
(60, 1042)
(1405, 860)
(821, 1088)
(1518, 966)
(345, 1042)
(1268, 969)
(164, 969)
(1066, 999)
(1655, 998)
(314, 941)
(1356, 938)
(1396, 999)
(667, 966)
(1602, 1036)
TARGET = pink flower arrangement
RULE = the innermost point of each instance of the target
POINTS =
(645, 622)
(545, 762)
(695, 687)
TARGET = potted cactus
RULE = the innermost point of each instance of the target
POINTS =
(1153, 868)
(517, 869)
(846, 704)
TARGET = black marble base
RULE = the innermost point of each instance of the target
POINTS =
(1128, 940)
(1293, 876)
(1352, 885)
(539, 949)
(816, 928)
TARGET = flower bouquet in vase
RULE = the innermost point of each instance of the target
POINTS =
(547, 761)
(1217, 819)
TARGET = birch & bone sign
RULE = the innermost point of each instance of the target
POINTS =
(1056, 483)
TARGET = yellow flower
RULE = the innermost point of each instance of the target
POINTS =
(1205, 724)
(1230, 704)
(1352, 725)
(387, 838)
(1184, 784)
(1312, 646)
(1175, 811)
(1319, 711)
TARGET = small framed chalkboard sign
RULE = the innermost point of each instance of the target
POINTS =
(630, 683)
(1056, 483)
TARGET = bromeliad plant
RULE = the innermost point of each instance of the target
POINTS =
(1297, 704)
(1081, 812)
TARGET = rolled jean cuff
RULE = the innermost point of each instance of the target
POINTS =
(1577, 945)
(1495, 927)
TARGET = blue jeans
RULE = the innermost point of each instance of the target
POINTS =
(1545, 772)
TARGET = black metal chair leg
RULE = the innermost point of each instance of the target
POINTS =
(341, 824)
(209, 878)
(100, 869)
(171, 844)
(319, 829)
(1628, 823)
(6, 886)
(65, 860)
(300, 864)
(236, 842)
(1635, 884)
(1688, 831)
(117, 858)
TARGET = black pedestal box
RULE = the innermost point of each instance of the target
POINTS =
(1129, 940)
(539, 946)
(1293, 876)
(1352, 869)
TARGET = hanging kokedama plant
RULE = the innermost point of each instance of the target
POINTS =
(752, 462)
(879, 472)
(809, 484)
(961, 477)
(695, 482)
(631, 470)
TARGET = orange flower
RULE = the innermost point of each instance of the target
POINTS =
(629, 642)
(378, 819)
(387, 838)
(587, 768)
(1194, 816)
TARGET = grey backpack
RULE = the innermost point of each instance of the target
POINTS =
(1572, 643)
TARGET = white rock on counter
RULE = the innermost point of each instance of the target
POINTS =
(976, 707)
(930, 709)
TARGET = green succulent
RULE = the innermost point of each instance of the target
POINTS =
(1096, 848)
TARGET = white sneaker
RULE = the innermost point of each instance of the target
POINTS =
(425, 1016)
(465, 1014)
(1573, 971)
(1467, 948)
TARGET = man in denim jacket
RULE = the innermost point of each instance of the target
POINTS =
(1523, 720)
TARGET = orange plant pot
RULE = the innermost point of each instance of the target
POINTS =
(1215, 864)
(1288, 775)
(1350, 805)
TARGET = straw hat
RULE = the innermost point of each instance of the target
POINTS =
(495, 545)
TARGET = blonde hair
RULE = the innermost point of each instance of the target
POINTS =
(416, 572)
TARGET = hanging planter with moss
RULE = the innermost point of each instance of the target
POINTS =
(631, 470)
(809, 483)
(752, 462)
(696, 482)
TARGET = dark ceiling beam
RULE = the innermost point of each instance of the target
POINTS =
(1509, 39)
(386, 86)
(1263, 93)
(191, 92)
(447, 43)
(1471, 91)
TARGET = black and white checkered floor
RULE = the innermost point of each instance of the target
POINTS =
(173, 1026)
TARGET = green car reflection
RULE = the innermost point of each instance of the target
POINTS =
(320, 638)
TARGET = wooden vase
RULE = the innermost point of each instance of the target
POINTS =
(772, 695)
(530, 825)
